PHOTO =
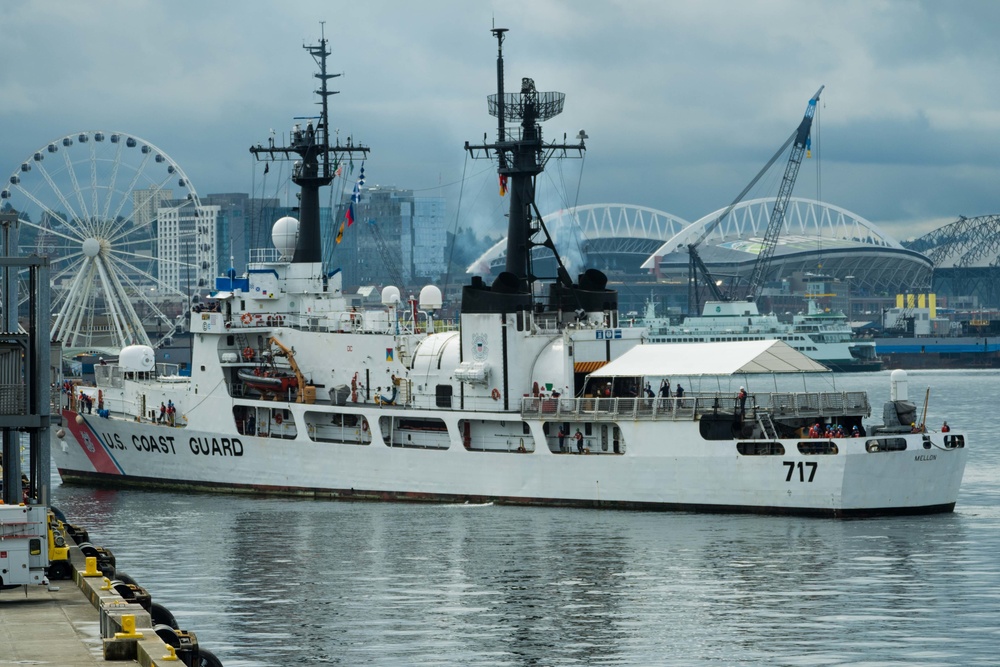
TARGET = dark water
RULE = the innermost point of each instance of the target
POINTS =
(265, 581)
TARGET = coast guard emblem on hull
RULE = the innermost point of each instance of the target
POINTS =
(479, 349)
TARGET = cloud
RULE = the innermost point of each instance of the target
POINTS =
(683, 102)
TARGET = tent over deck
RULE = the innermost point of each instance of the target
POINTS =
(695, 359)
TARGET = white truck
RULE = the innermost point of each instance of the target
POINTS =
(24, 545)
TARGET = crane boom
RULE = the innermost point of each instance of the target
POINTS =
(799, 147)
(697, 267)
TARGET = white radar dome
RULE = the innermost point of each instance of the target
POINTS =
(284, 236)
(390, 295)
(137, 358)
(430, 298)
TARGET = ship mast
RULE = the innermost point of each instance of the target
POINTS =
(313, 168)
(521, 155)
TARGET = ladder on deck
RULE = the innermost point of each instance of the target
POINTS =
(767, 426)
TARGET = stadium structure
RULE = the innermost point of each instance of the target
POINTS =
(966, 258)
(644, 252)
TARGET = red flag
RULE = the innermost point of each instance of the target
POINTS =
(503, 185)
(350, 215)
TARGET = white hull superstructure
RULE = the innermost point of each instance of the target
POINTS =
(825, 337)
(638, 452)
(533, 400)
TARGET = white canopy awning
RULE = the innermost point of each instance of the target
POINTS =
(220, 295)
(693, 359)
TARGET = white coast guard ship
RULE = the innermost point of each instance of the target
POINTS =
(536, 400)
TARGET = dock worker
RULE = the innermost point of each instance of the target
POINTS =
(741, 398)
(163, 413)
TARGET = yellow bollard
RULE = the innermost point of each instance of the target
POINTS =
(91, 569)
(171, 655)
(107, 584)
(128, 628)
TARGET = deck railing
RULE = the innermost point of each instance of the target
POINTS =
(779, 405)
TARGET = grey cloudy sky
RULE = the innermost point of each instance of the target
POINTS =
(683, 101)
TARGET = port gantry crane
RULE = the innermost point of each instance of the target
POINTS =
(800, 141)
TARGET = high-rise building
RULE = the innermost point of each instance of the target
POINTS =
(244, 223)
(186, 245)
(396, 238)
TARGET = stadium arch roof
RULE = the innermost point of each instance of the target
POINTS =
(965, 243)
(816, 236)
(609, 228)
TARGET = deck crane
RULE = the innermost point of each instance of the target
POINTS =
(697, 268)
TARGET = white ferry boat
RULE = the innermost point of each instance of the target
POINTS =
(535, 400)
(820, 335)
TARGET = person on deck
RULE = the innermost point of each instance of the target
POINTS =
(579, 441)
(945, 428)
(741, 399)
(680, 391)
(163, 413)
(562, 439)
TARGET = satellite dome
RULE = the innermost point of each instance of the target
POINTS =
(284, 236)
(430, 298)
(390, 295)
(137, 358)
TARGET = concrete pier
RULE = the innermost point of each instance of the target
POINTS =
(81, 621)
(48, 626)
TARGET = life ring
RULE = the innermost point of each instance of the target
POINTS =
(364, 424)
(245, 318)
(277, 418)
(495, 394)
(248, 353)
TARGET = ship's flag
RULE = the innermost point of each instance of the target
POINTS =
(350, 214)
(340, 234)
(340, 170)
(388, 354)
(267, 167)
(503, 185)
(360, 183)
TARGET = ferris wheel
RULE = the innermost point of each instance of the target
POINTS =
(127, 238)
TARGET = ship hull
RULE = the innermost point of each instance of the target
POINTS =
(670, 468)
(852, 365)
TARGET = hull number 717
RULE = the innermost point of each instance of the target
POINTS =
(801, 467)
